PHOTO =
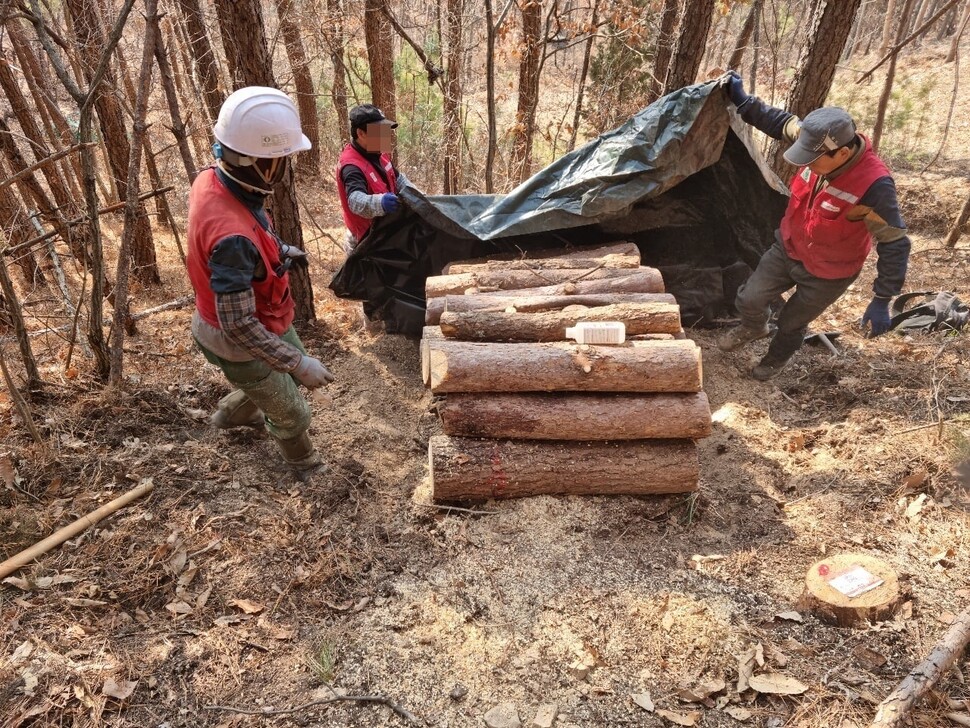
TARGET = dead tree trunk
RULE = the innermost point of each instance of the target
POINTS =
(469, 469)
(639, 318)
(643, 366)
(575, 416)
(308, 162)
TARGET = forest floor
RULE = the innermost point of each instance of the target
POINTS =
(236, 587)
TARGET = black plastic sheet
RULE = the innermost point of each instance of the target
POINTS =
(682, 179)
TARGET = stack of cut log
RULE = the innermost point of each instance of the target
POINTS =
(526, 412)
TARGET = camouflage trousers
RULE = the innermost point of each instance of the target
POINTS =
(275, 393)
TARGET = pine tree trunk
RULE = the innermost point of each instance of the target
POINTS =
(961, 29)
(308, 162)
(380, 56)
(13, 312)
(744, 37)
(890, 77)
(91, 38)
(816, 67)
(206, 70)
(451, 119)
(241, 25)
(196, 116)
(492, 147)
(14, 230)
(167, 78)
(887, 27)
(690, 44)
(333, 31)
(665, 47)
(529, 67)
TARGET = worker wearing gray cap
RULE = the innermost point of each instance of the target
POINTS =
(843, 199)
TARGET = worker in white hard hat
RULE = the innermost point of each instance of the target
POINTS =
(239, 270)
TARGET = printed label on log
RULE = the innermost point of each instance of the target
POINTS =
(854, 582)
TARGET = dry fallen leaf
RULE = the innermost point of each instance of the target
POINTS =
(912, 483)
(791, 616)
(776, 684)
(121, 690)
(247, 606)
(738, 713)
(179, 607)
(667, 621)
(913, 509)
(701, 692)
(869, 659)
(7, 471)
(643, 700)
(679, 718)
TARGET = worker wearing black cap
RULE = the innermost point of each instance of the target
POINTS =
(366, 177)
(842, 199)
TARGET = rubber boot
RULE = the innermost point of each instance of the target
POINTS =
(299, 452)
(236, 410)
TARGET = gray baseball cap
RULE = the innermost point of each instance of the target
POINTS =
(823, 130)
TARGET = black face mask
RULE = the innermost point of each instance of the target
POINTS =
(259, 173)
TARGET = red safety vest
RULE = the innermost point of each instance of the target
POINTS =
(215, 213)
(815, 230)
(376, 185)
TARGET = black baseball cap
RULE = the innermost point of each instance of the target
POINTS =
(364, 114)
(823, 130)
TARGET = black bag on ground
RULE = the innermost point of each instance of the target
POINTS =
(936, 311)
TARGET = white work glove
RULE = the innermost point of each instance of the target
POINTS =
(311, 373)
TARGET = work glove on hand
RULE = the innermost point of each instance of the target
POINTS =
(877, 316)
(735, 89)
(311, 373)
(390, 202)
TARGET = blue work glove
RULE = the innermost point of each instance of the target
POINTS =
(877, 316)
(735, 89)
(390, 202)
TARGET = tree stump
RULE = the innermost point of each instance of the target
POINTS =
(851, 589)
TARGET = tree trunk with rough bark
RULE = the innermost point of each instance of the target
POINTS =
(691, 42)
(453, 94)
(380, 56)
(14, 313)
(669, 16)
(816, 67)
(15, 229)
(576, 416)
(91, 39)
(744, 37)
(308, 162)
(333, 33)
(531, 304)
(242, 22)
(529, 67)
(887, 87)
(206, 70)
(470, 469)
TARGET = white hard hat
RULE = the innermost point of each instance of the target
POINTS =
(263, 122)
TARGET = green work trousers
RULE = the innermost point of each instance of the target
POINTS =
(275, 393)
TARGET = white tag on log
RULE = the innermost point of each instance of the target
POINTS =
(854, 582)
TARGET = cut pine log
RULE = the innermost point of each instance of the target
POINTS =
(532, 304)
(470, 469)
(576, 416)
(898, 705)
(639, 318)
(507, 280)
(637, 366)
(573, 252)
(541, 264)
(851, 589)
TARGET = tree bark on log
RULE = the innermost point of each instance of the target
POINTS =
(648, 280)
(531, 304)
(638, 366)
(894, 709)
(542, 254)
(577, 416)
(490, 266)
(471, 469)
(639, 318)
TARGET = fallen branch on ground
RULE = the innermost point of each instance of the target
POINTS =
(377, 699)
(895, 708)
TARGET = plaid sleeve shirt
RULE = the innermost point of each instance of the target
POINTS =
(237, 319)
